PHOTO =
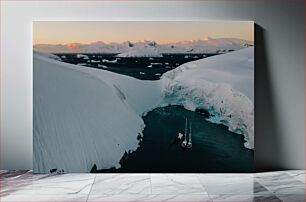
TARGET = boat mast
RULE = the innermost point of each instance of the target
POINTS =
(190, 133)
(184, 143)
(186, 128)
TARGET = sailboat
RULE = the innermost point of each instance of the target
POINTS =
(184, 143)
(189, 144)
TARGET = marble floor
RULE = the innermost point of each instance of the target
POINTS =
(269, 186)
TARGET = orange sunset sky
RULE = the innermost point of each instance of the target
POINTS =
(64, 32)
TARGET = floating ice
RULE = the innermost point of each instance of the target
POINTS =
(85, 57)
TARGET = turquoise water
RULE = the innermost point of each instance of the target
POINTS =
(215, 149)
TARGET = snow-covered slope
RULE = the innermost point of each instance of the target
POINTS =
(223, 85)
(209, 45)
(87, 116)
(47, 55)
(74, 122)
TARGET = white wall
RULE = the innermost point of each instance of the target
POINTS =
(280, 73)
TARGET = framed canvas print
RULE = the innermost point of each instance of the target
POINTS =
(143, 96)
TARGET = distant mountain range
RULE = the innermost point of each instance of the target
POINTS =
(149, 48)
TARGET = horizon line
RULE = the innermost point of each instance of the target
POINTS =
(139, 41)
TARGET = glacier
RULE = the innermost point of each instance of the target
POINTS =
(86, 116)
(223, 85)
